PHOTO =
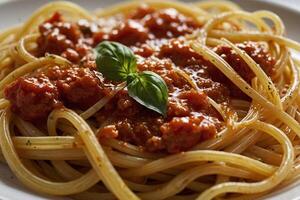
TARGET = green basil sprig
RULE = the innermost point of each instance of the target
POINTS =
(118, 63)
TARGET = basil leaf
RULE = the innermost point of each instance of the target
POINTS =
(150, 90)
(114, 60)
(118, 63)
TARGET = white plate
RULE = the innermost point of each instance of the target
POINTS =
(16, 12)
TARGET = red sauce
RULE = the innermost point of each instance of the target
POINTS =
(62, 38)
(155, 35)
(78, 87)
(199, 69)
(181, 133)
(33, 98)
(168, 23)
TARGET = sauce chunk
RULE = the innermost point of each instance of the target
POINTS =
(33, 98)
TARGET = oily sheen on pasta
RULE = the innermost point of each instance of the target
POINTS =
(230, 128)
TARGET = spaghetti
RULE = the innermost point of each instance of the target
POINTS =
(232, 125)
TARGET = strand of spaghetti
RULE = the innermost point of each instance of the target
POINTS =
(7, 46)
(274, 50)
(179, 182)
(217, 143)
(62, 154)
(4, 72)
(266, 155)
(4, 103)
(64, 169)
(266, 141)
(261, 25)
(47, 142)
(254, 36)
(67, 128)
(71, 142)
(56, 152)
(94, 151)
(70, 173)
(246, 141)
(281, 63)
(48, 171)
(143, 187)
(213, 42)
(223, 66)
(102, 102)
(254, 17)
(197, 156)
(14, 55)
(6, 62)
(8, 33)
(27, 177)
(23, 53)
(293, 91)
(49, 8)
(26, 128)
(279, 28)
(33, 167)
(272, 120)
(272, 181)
(125, 161)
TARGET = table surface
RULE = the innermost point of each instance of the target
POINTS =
(294, 4)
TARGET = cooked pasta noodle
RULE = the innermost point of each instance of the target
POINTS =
(254, 152)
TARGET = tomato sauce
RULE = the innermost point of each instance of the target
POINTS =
(157, 36)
